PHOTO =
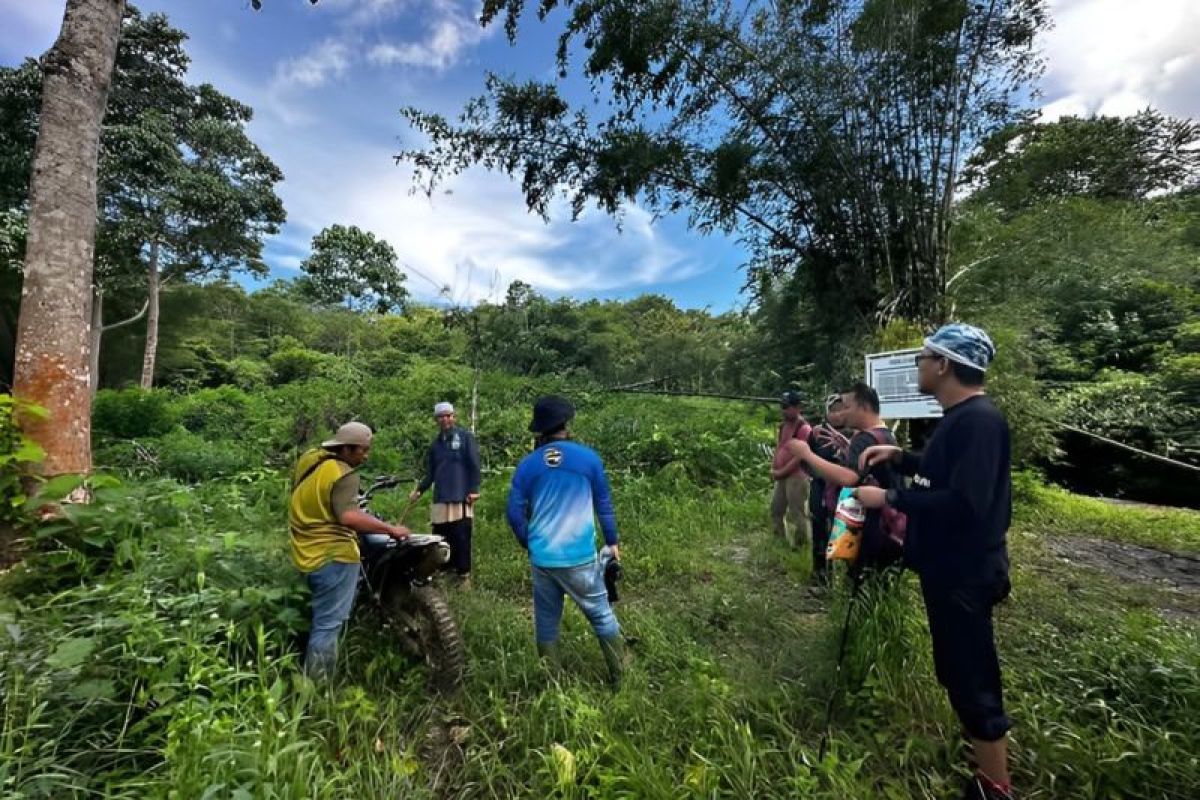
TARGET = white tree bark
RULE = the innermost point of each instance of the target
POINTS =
(151, 351)
(53, 357)
(99, 329)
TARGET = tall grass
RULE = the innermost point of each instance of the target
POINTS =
(170, 670)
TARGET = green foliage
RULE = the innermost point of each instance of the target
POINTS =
(17, 453)
(249, 374)
(191, 457)
(352, 266)
(787, 122)
(1181, 376)
(1102, 157)
(132, 413)
(1138, 410)
(158, 627)
(296, 363)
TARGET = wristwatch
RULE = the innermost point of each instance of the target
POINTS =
(891, 496)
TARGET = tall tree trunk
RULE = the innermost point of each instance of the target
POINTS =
(151, 321)
(53, 331)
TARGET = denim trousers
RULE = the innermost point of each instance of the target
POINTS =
(333, 588)
(585, 585)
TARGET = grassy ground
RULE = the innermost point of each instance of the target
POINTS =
(155, 657)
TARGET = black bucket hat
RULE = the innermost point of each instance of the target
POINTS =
(550, 413)
(790, 399)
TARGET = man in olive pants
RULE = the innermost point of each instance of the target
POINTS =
(790, 497)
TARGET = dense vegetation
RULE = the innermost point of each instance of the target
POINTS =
(149, 638)
(149, 643)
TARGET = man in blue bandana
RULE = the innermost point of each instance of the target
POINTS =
(959, 508)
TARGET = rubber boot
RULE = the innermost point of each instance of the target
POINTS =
(549, 653)
(613, 649)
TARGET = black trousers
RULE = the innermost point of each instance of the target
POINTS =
(964, 653)
(458, 536)
(822, 523)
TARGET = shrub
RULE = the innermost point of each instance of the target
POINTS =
(222, 413)
(190, 457)
(1181, 375)
(249, 374)
(132, 413)
(296, 363)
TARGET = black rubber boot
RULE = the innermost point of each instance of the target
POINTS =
(614, 657)
(549, 653)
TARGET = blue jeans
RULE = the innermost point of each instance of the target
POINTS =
(585, 585)
(333, 588)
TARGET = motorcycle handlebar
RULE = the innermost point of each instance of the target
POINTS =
(383, 482)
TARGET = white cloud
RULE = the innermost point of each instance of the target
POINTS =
(448, 29)
(330, 59)
(477, 237)
(448, 37)
(1117, 57)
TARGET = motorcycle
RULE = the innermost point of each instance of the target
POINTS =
(397, 577)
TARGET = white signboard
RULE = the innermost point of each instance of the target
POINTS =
(894, 376)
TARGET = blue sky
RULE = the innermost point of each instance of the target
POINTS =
(327, 82)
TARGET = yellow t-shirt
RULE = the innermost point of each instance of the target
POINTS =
(317, 536)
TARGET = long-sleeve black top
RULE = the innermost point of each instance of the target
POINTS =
(960, 503)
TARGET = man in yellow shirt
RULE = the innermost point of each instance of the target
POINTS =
(325, 520)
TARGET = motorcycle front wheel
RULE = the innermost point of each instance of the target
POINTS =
(428, 634)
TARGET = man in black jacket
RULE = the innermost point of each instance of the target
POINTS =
(452, 468)
(959, 508)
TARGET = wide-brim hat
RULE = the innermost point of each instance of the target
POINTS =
(551, 412)
(354, 434)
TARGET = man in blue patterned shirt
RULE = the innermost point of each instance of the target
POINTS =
(558, 492)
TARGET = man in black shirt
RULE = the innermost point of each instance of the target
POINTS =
(959, 508)
(862, 413)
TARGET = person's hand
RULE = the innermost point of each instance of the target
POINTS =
(615, 549)
(399, 533)
(798, 447)
(827, 435)
(871, 496)
(414, 495)
(878, 454)
(472, 497)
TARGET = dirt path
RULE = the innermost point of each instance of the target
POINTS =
(1130, 562)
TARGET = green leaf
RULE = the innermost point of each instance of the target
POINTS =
(104, 481)
(58, 487)
(28, 452)
(95, 689)
(36, 412)
(70, 653)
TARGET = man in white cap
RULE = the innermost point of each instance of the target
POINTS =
(452, 468)
(959, 508)
(324, 520)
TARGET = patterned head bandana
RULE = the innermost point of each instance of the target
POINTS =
(964, 344)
